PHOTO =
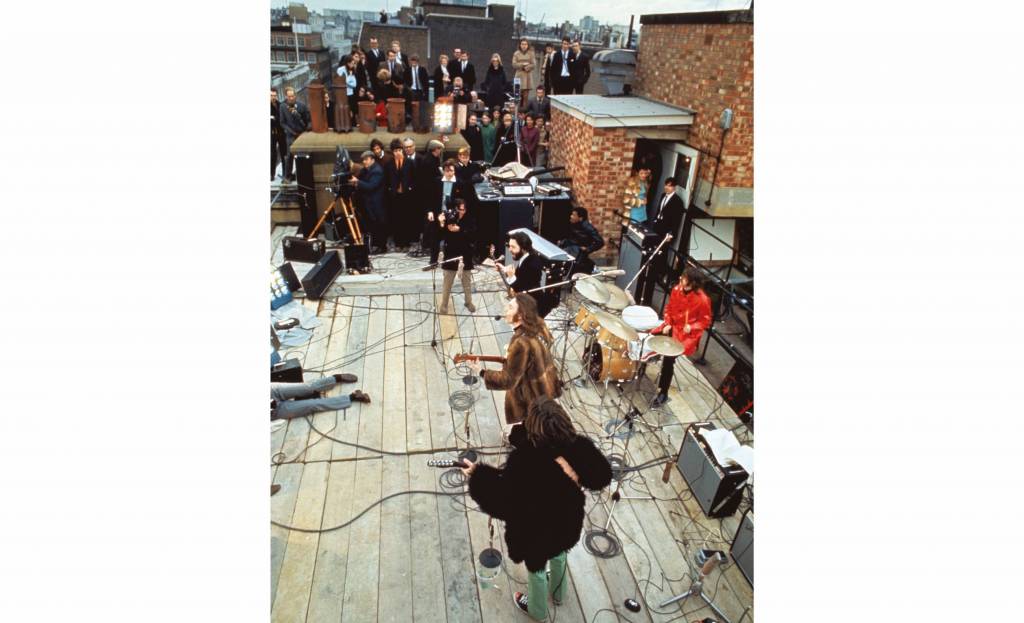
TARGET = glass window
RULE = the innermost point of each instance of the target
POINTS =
(311, 57)
(291, 57)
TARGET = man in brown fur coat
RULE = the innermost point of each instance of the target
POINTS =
(529, 369)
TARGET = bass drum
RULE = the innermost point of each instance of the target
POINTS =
(606, 364)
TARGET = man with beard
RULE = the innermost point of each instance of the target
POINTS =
(295, 120)
(524, 273)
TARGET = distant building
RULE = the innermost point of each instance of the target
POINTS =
(298, 11)
(311, 49)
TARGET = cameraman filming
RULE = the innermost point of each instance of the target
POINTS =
(458, 241)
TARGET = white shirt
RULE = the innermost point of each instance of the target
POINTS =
(565, 64)
(444, 69)
(415, 77)
(463, 65)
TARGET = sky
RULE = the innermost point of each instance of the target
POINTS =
(605, 11)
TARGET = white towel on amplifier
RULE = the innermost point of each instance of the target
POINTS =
(727, 449)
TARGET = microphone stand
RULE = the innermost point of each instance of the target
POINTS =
(643, 269)
(697, 588)
(562, 283)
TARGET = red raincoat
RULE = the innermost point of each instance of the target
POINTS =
(693, 308)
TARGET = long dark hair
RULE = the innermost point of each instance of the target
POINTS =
(529, 319)
(547, 423)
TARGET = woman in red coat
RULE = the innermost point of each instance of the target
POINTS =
(687, 314)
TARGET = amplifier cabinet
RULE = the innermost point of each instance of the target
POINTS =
(321, 276)
(638, 243)
(288, 371)
(307, 188)
(717, 489)
(742, 548)
(299, 249)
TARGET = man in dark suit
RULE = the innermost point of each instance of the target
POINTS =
(295, 119)
(541, 105)
(374, 57)
(545, 69)
(581, 68)
(466, 72)
(582, 240)
(277, 143)
(417, 79)
(473, 137)
(432, 188)
(562, 64)
(400, 182)
(524, 273)
(370, 196)
(670, 210)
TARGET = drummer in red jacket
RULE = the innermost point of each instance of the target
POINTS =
(687, 314)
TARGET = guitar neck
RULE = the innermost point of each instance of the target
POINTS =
(490, 358)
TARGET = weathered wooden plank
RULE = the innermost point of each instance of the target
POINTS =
(296, 577)
(328, 589)
(457, 558)
(362, 576)
(417, 419)
(393, 404)
(329, 338)
(428, 586)
(282, 506)
(396, 596)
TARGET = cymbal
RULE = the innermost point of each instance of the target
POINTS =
(617, 297)
(592, 290)
(616, 326)
(664, 346)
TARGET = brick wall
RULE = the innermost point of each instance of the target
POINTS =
(599, 161)
(413, 39)
(705, 67)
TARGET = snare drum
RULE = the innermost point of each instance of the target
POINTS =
(610, 365)
(586, 320)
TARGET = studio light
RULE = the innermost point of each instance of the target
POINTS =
(443, 115)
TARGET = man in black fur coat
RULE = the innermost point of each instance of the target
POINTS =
(537, 493)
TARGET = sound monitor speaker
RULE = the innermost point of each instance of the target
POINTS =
(638, 242)
(514, 214)
(290, 277)
(298, 249)
(718, 490)
(321, 276)
(357, 258)
(307, 188)
(288, 371)
(742, 549)
(554, 219)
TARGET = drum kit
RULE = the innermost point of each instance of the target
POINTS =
(615, 331)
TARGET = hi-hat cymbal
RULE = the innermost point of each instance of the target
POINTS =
(616, 327)
(592, 290)
(617, 297)
(664, 346)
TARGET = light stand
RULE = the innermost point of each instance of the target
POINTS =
(697, 588)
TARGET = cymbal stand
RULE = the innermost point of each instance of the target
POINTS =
(632, 416)
(697, 588)
(617, 494)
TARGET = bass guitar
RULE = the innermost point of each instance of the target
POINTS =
(469, 357)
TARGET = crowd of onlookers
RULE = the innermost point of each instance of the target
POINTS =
(494, 116)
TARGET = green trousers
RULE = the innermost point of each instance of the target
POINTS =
(538, 587)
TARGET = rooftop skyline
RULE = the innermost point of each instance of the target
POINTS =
(617, 12)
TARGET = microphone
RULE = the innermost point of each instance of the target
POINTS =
(618, 272)
(446, 463)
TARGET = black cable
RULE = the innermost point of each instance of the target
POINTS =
(363, 512)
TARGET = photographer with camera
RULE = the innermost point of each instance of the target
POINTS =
(443, 192)
(538, 494)
(458, 229)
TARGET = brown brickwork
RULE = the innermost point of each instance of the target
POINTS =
(707, 68)
(599, 161)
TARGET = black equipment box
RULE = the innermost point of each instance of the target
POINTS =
(288, 371)
(290, 277)
(717, 489)
(357, 258)
(299, 249)
(742, 548)
(321, 276)
(638, 242)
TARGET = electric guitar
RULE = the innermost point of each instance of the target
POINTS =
(468, 357)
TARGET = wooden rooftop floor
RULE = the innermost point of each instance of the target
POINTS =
(412, 557)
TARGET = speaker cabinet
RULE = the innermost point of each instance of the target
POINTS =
(742, 549)
(717, 489)
(288, 371)
(298, 249)
(514, 214)
(307, 188)
(321, 276)
(357, 258)
(638, 243)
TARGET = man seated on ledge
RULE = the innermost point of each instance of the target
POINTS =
(290, 400)
(583, 239)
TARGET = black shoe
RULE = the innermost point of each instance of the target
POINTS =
(520, 600)
(345, 377)
(660, 400)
